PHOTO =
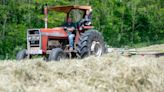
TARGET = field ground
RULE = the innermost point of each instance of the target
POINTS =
(109, 73)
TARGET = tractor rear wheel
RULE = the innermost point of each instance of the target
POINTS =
(56, 54)
(91, 43)
(21, 55)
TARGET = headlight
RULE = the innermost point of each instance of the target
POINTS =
(29, 38)
(37, 38)
(33, 38)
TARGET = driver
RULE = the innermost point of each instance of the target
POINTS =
(70, 27)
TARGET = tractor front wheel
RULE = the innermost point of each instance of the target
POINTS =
(56, 54)
(21, 55)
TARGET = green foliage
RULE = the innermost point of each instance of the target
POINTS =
(122, 22)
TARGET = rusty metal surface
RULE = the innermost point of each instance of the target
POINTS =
(66, 9)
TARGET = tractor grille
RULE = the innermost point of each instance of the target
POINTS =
(33, 38)
(34, 43)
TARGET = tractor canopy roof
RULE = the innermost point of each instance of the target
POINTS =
(66, 9)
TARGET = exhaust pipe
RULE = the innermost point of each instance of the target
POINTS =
(46, 15)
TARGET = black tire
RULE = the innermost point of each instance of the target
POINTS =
(85, 43)
(21, 55)
(56, 54)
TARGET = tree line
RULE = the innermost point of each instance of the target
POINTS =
(123, 22)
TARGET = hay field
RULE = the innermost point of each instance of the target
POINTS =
(109, 73)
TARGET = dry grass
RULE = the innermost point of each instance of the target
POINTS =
(159, 48)
(109, 73)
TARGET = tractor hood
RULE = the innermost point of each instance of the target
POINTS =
(54, 32)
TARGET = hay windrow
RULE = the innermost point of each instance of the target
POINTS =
(109, 73)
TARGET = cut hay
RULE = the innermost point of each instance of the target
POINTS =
(109, 73)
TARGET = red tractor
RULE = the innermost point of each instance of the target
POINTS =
(53, 43)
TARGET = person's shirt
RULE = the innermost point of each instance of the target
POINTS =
(69, 24)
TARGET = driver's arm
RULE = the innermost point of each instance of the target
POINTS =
(71, 29)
